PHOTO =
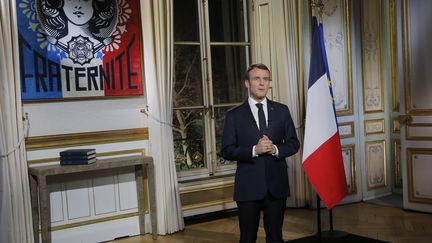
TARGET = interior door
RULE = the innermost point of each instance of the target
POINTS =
(416, 103)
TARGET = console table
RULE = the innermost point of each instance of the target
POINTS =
(38, 187)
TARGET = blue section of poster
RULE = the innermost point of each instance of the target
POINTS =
(39, 61)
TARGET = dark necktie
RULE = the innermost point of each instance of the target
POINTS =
(261, 119)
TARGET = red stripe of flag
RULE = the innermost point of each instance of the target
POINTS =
(325, 170)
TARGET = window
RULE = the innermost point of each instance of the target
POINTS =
(211, 52)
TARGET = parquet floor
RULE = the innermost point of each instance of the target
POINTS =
(374, 221)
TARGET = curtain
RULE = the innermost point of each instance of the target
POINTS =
(15, 214)
(158, 51)
(289, 72)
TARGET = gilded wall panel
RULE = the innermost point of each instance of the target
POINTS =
(335, 18)
(417, 53)
(346, 129)
(393, 55)
(371, 56)
(374, 126)
(348, 155)
(376, 164)
(419, 168)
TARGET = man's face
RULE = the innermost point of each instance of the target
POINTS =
(258, 83)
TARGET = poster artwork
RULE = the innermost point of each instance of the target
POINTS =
(79, 48)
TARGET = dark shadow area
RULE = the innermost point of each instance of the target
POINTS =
(201, 218)
(337, 238)
(393, 200)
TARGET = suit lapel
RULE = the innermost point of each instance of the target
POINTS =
(249, 118)
(271, 116)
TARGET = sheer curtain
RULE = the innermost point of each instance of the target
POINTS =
(158, 52)
(289, 70)
(15, 207)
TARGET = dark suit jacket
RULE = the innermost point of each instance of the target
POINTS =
(257, 175)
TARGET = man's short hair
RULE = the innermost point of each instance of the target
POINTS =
(256, 65)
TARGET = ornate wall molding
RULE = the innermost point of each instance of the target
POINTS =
(376, 126)
(348, 155)
(376, 164)
(346, 129)
(373, 85)
(85, 138)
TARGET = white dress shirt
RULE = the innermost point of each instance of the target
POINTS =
(254, 109)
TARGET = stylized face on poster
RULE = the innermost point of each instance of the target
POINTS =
(77, 11)
(79, 48)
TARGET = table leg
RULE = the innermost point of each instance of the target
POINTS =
(45, 210)
(35, 207)
(152, 198)
(140, 194)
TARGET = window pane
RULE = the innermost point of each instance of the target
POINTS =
(228, 66)
(219, 123)
(187, 81)
(227, 20)
(188, 132)
(186, 20)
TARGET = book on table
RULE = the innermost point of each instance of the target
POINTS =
(77, 156)
(77, 152)
(77, 161)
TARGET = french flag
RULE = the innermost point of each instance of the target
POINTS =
(322, 154)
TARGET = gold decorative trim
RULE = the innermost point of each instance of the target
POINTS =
(411, 196)
(371, 185)
(406, 58)
(93, 221)
(380, 124)
(86, 138)
(103, 154)
(353, 171)
(352, 131)
(393, 55)
(207, 204)
(396, 125)
(397, 167)
(348, 56)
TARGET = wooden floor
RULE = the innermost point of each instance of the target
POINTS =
(374, 221)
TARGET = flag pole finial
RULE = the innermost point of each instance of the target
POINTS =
(318, 6)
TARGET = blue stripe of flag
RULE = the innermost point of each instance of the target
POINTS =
(317, 64)
(323, 50)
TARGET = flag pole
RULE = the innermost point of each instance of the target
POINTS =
(331, 219)
(318, 202)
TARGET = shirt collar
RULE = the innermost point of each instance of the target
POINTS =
(253, 102)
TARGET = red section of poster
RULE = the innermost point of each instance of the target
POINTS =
(122, 62)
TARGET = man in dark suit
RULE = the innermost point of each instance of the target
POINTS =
(259, 134)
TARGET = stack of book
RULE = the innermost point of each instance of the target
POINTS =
(77, 156)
